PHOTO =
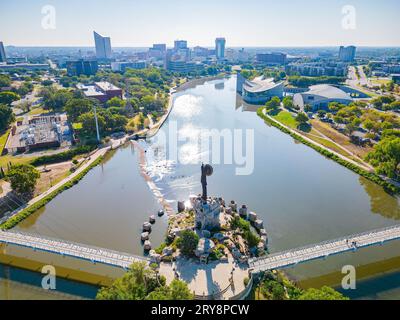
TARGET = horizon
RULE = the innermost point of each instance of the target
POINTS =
(139, 24)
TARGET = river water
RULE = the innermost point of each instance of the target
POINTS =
(302, 197)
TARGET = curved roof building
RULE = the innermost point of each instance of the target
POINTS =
(259, 90)
(320, 96)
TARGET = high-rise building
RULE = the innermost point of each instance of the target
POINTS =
(180, 44)
(81, 66)
(160, 47)
(347, 54)
(103, 46)
(220, 48)
(3, 57)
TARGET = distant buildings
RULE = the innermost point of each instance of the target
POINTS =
(182, 66)
(317, 69)
(81, 66)
(347, 54)
(158, 50)
(180, 44)
(121, 66)
(103, 46)
(259, 90)
(320, 96)
(275, 58)
(102, 91)
(25, 66)
(3, 57)
(220, 48)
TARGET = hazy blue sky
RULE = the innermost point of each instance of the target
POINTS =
(242, 23)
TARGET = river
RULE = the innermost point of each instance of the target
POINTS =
(302, 197)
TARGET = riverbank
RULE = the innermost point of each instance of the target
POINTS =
(389, 187)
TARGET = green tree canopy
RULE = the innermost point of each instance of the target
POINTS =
(23, 178)
(6, 117)
(188, 242)
(141, 282)
(7, 97)
(325, 293)
(386, 157)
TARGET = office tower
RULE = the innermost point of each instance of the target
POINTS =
(220, 48)
(162, 47)
(180, 44)
(81, 66)
(347, 54)
(103, 46)
(2, 53)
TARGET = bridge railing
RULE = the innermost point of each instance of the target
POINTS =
(259, 261)
(72, 243)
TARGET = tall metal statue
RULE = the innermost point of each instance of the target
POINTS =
(206, 170)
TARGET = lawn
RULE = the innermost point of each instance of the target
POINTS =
(3, 140)
(4, 160)
(37, 111)
(287, 119)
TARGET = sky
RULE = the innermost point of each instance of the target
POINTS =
(244, 23)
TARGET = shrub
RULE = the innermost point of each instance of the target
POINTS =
(63, 156)
(188, 242)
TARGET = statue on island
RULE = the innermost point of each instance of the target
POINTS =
(206, 170)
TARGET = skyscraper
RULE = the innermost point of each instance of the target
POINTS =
(220, 48)
(103, 46)
(2, 53)
(180, 44)
(347, 54)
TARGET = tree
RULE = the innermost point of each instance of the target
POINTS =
(56, 100)
(302, 118)
(116, 102)
(89, 124)
(23, 178)
(288, 102)
(77, 107)
(386, 157)
(142, 283)
(5, 81)
(188, 242)
(6, 117)
(325, 293)
(274, 103)
(7, 97)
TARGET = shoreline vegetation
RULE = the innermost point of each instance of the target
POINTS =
(388, 187)
(24, 213)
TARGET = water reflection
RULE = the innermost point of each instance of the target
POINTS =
(381, 202)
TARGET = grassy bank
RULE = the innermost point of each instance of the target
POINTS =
(370, 176)
(23, 214)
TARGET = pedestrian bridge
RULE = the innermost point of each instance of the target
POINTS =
(325, 249)
(271, 262)
(71, 249)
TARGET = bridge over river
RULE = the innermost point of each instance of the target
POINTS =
(271, 262)
(324, 249)
(71, 249)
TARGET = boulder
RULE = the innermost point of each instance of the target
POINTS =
(147, 245)
(252, 216)
(144, 236)
(147, 226)
(243, 211)
(181, 206)
(160, 213)
(233, 205)
(152, 219)
(228, 210)
(263, 232)
(154, 257)
(258, 224)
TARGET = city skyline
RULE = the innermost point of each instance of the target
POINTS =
(139, 24)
